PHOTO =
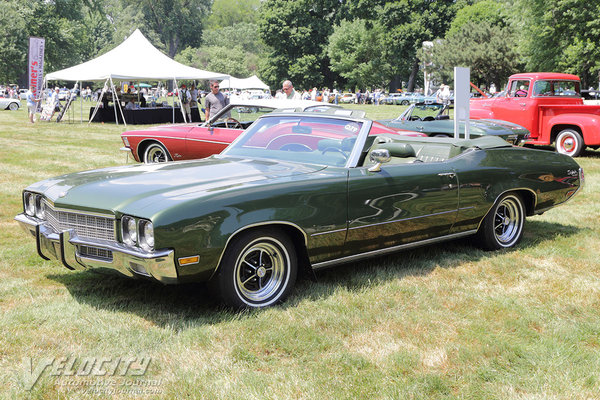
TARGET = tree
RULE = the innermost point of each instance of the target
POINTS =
(355, 53)
(561, 36)
(488, 50)
(226, 13)
(297, 33)
(178, 23)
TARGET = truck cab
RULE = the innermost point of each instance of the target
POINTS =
(550, 106)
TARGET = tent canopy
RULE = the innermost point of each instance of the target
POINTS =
(248, 83)
(134, 59)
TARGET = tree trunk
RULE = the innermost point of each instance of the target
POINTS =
(413, 75)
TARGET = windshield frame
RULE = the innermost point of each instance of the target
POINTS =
(353, 157)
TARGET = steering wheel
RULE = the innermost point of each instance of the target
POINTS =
(520, 93)
(428, 118)
(414, 118)
(236, 124)
(335, 149)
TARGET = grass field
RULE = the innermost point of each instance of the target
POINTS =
(442, 322)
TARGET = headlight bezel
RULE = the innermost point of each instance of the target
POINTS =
(29, 203)
(129, 230)
(146, 234)
(137, 232)
(40, 207)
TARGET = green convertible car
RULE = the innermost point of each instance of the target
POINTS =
(295, 190)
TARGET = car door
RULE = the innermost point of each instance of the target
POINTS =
(400, 204)
(516, 106)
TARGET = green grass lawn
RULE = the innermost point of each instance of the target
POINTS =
(442, 322)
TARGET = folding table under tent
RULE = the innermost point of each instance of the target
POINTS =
(133, 60)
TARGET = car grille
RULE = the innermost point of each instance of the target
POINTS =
(85, 225)
(94, 252)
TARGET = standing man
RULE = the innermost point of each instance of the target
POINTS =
(185, 102)
(194, 96)
(215, 100)
(288, 90)
(31, 105)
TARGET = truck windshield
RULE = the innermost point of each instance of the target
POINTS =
(547, 88)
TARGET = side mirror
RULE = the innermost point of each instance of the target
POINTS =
(379, 156)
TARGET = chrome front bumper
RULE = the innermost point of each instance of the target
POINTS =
(66, 247)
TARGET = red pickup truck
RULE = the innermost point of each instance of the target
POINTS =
(550, 106)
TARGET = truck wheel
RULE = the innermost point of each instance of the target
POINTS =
(569, 142)
(258, 269)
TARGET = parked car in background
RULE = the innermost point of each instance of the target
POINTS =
(190, 141)
(347, 98)
(433, 119)
(294, 191)
(550, 107)
(9, 104)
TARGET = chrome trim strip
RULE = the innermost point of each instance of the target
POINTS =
(393, 249)
(147, 138)
(328, 232)
(403, 219)
(75, 211)
(257, 224)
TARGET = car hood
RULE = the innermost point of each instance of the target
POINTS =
(118, 188)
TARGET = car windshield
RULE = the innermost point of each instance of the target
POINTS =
(313, 140)
(419, 112)
(244, 114)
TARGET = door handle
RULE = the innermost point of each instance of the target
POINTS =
(448, 174)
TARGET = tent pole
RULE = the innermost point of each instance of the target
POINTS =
(118, 102)
(80, 102)
(99, 101)
(180, 103)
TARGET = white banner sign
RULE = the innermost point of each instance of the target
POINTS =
(35, 64)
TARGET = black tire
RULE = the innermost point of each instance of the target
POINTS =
(156, 153)
(258, 270)
(569, 142)
(502, 227)
(404, 102)
(13, 106)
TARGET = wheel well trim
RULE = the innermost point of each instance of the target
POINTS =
(148, 142)
(254, 226)
(525, 205)
(558, 127)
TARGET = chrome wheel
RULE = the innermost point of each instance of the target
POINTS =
(155, 153)
(13, 106)
(569, 142)
(502, 227)
(258, 269)
(508, 221)
(260, 272)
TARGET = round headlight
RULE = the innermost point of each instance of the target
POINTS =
(129, 230)
(40, 207)
(30, 204)
(146, 235)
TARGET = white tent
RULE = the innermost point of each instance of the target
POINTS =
(248, 83)
(134, 59)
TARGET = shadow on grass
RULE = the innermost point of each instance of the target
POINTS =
(187, 305)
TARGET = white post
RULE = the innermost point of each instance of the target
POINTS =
(462, 79)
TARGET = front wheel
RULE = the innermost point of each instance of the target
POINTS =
(569, 142)
(156, 153)
(502, 227)
(258, 270)
(13, 106)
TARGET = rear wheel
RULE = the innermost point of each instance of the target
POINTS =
(502, 227)
(156, 153)
(569, 142)
(258, 269)
(404, 102)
